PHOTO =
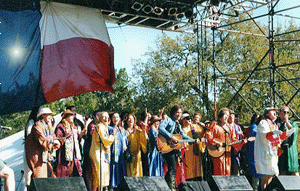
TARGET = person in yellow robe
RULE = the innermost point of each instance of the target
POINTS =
(137, 143)
(102, 148)
(193, 154)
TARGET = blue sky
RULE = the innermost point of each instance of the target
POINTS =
(131, 42)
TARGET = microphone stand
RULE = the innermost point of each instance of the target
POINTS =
(100, 162)
(225, 151)
(227, 132)
(1, 130)
(225, 145)
(206, 155)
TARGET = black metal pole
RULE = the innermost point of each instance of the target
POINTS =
(214, 75)
(100, 162)
(272, 59)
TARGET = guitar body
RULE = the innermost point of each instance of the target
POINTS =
(164, 146)
(217, 151)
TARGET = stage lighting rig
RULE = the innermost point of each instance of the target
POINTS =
(137, 6)
(147, 9)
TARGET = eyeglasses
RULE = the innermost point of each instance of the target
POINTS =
(286, 112)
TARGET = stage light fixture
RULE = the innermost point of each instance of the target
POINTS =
(180, 15)
(172, 11)
(137, 6)
(189, 13)
(147, 9)
(158, 10)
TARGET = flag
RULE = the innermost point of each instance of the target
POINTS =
(51, 51)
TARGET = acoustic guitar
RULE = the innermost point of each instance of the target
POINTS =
(217, 151)
(166, 146)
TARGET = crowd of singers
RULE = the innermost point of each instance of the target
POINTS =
(112, 146)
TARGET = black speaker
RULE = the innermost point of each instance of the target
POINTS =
(57, 184)
(194, 186)
(229, 183)
(283, 183)
(146, 183)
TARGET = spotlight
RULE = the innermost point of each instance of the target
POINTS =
(188, 13)
(172, 11)
(147, 9)
(137, 6)
(158, 10)
(180, 15)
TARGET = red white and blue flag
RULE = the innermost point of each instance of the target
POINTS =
(50, 51)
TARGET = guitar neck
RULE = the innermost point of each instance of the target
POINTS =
(229, 144)
(186, 141)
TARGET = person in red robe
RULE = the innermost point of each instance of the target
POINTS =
(218, 137)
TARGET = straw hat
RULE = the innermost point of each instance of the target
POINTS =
(44, 111)
(186, 116)
(269, 109)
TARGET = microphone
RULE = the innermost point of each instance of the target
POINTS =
(4, 127)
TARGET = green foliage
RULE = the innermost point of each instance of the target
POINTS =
(169, 75)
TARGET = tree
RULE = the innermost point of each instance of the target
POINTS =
(169, 75)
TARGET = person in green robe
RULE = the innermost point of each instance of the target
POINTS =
(288, 161)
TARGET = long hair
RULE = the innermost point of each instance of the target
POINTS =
(174, 109)
(253, 118)
(134, 122)
(120, 121)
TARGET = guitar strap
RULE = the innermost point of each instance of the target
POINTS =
(176, 130)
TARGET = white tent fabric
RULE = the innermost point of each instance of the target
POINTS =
(12, 152)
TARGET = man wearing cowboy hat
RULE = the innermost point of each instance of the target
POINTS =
(40, 143)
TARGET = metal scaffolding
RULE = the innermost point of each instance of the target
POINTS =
(274, 70)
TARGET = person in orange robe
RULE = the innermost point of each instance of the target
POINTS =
(219, 132)
(194, 152)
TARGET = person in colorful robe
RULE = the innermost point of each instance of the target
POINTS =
(155, 157)
(40, 144)
(236, 154)
(288, 160)
(250, 152)
(137, 143)
(69, 155)
(87, 172)
(193, 154)
(100, 153)
(119, 151)
(220, 134)
(267, 143)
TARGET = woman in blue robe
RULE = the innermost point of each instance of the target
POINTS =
(155, 158)
(250, 149)
(118, 151)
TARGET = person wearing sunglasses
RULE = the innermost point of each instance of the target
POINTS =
(288, 161)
